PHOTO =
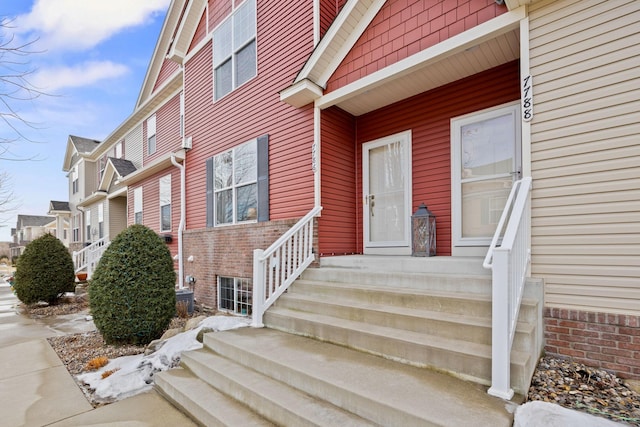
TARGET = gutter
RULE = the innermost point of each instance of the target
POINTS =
(182, 217)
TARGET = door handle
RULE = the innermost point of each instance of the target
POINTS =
(372, 203)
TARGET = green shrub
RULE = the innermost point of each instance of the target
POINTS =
(44, 271)
(132, 291)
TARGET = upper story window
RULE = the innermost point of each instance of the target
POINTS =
(234, 50)
(87, 224)
(74, 180)
(103, 164)
(151, 135)
(100, 221)
(118, 150)
(165, 203)
(137, 205)
(235, 184)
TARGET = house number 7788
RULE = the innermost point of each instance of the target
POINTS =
(527, 98)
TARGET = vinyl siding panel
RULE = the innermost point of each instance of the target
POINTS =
(255, 109)
(339, 224)
(329, 9)
(168, 137)
(134, 146)
(585, 154)
(401, 29)
(168, 68)
(429, 115)
(117, 216)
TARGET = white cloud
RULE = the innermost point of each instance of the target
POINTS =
(82, 24)
(50, 80)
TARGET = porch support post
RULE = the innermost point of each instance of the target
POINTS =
(500, 335)
(258, 295)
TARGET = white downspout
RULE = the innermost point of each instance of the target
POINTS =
(182, 168)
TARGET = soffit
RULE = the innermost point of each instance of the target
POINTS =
(379, 90)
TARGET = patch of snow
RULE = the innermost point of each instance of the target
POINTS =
(134, 374)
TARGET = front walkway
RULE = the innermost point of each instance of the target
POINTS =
(37, 390)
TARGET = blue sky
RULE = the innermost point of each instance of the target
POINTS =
(91, 60)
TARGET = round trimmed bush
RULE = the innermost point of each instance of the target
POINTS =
(44, 271)
(132, 291)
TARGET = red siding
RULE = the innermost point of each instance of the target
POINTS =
(253, 110)
(200, 34)
(218, 10)
(405, 27)
(168, 137)
(151, 204)
(167, 69)
(329, 9)
(428, 115)
(339, 222)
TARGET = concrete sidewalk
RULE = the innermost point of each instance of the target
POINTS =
(37, 390)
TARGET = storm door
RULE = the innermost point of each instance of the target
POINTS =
(386, 165)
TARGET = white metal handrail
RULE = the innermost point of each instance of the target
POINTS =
(509, 262)
(276, 268)
(87, 258)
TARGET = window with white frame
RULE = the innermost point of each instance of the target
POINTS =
(165, 203)
(234, 50)
(151, 135)
(103, 164)
(100, 221)
(118, 150)
(235, 184)
(75, 228)
(87, 225)
(137, 205)
(74, 180)
(235, 295)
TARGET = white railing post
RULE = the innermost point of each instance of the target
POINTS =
(257, 302)
(509, 263)
(275, 268)
(500, 331)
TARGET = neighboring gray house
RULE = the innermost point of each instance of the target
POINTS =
(62, 213)
(28, 228)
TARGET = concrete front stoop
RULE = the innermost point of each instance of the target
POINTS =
(348, 344)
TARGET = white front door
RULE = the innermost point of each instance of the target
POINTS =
(485, 162)
(386, 182)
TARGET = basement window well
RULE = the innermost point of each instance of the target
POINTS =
(234, 295)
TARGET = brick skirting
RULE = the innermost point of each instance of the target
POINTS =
(603, 340)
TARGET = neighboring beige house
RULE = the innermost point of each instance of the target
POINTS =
(62, 212)
(28, 228)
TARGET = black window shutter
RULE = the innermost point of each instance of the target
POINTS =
(263, 178)
(209, 187)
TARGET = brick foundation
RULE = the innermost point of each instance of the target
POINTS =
(227, 251)
(603, 340)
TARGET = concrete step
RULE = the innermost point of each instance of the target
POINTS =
(405, 264)
(270, 397)
(475, 284)
(204, 403)
(373, 388)
(441, 323)
(477, 305)
(464, 359)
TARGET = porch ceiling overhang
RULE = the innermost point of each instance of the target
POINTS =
(152, 168)
(93, 198)
(485, 46)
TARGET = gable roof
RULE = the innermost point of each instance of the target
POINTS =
(56, 206)
(115, 167)
(32, 221)
(163, 46)
(472, 51)
(80, 146)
